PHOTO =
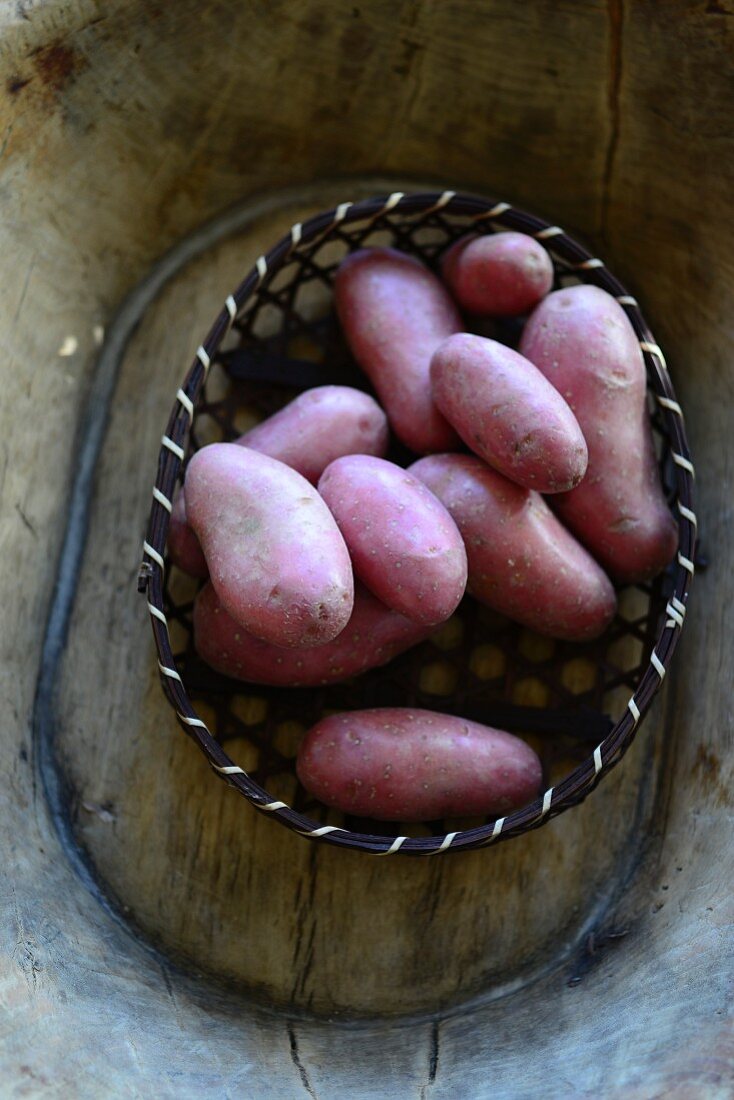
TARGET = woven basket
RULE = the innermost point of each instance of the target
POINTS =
(266, 345)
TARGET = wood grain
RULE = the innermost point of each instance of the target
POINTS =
(122, 127)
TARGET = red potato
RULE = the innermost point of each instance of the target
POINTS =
(522, 561)
(582, 341)
(395, 764)
(183, 545)
(503, 275)
(275, 555)
(395, 313)
(404, 545)
(508, 413)
(319, 426)
(372, 637)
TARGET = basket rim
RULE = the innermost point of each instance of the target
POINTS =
(583, 779)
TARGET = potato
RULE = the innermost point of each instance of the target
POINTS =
(582, 341)
(395, 764)
(508, 413)
(275, 555)
(183, 546)
(372, 637)
(503, 275)
(404, 545)
(395, 313)
(522, 561)
(319, 426)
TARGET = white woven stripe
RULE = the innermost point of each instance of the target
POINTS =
(262, 266)
(186, 402)
(203, 358)
(627, 300)
(296, 232)
(597, 760)
(170, 672)
(193, 721)
(634, 710)
(654, 349)
(668, 403)
(152, 553)
(231, 769)
(686, 563)
(396, 845)
(551, 231)
(392, 202)
(443, 201)
(547, 797)
(157, 614)
(657, 665)
(341, 212)
(676, 617)
(445, 843)
(174, 448)
(678, 605)
(497, 827)
(272, 806)
(587, 265)
(495, 212)
(231, 306)
(688, 514)
(322, 831)
(684, 463)
(158, 495)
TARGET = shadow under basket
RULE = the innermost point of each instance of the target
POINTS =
(579, 705)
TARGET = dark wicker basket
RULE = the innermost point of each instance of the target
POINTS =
(281, 349)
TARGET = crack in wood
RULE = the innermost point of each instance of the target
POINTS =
(296, 1059)
(615, 9)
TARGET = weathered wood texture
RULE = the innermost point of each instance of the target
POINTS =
(122, 127)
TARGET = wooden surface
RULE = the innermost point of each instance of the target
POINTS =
(123, 127)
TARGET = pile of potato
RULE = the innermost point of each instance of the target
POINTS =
(538, 490)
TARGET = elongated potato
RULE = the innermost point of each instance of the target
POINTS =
(522, 561)
(404, 545)
(502, 275)
(372, 637)
(582, 341)
(319, 426)
(275, 555)
(395, 313)
(396, 764)
(508, 413)
(183, 546)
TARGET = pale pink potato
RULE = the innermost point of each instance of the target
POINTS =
(275, 555)
(395, 313)
(522, 561)
(502, 275)
(183, 546)
(395, 764)
(403, 543)
(583, 342)
(507, 412)
(372, 637)
(319, 426)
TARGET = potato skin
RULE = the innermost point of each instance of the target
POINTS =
(404, 545)
(396, 764)
(372, 637)
(500, 275)
(507, 412)
(395, 313)
(319, 426)
(275, 555)
(583, 342)
(184, 549)
(522, 561)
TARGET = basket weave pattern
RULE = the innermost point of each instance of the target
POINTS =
(422, 224)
